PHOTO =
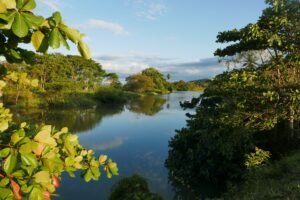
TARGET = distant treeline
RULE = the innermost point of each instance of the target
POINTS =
(71, 81)
(151, 81)
(67, 81)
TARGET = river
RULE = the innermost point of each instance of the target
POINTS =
(134, 135)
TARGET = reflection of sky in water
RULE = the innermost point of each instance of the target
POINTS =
(137, 142)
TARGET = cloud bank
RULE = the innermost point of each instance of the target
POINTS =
(134, 63)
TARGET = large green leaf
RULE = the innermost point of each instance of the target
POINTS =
(6, 193)
(44, 137)
(4, 152)
(33, 21)
(84, 50)
(9, 20)
(10, 4)
(64, 42)
(29, 159)
(10, 163)
(3, 8)
(55, 38)
(3, 125)
(42, 177)
(36, 194)
(73, 34)
(3, 17)
(37, 39)
(19, 26)
(57, 17)
(29, 5)
(20, 4)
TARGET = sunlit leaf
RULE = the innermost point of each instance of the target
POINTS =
(10, 163)
(29, 5)
(19, 26)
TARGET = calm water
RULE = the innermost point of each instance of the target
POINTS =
(135, 136)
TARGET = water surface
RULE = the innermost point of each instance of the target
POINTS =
(135, 135)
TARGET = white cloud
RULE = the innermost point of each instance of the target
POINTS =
(153, 11)
(148, 9)
(52, 4)
(132, 63)
(105, 25)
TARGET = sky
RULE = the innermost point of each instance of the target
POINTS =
(175, 36)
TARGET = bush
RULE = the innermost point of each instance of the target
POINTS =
(109, 95)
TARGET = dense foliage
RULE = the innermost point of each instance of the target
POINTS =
(186, 86)
(32, 158)
(245, 114)
(149, 80)
(274, 181)
(63, 81)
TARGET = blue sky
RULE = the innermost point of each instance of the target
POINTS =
(175, 36)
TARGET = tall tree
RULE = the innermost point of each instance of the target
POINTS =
(255, 105)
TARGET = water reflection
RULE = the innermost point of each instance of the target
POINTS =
(198, 191)
(135, 135)
(133, 188)
(147, 105)
(108, 145)
(77, 120)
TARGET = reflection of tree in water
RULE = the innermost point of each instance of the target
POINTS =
(133, 188)
(148, 105)
(197, 191)
(77, 120)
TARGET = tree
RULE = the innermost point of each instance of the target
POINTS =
(168, 76)
(32, 158)
(113, 80)
(67, 70)
(140, 83)
(149, 80)
(157, 77)
(21, 82)
(246, 110)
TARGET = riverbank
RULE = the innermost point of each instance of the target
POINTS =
(74, 99)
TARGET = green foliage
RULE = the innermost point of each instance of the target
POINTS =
(19, 82)
(133, 188)
(148, 81)
(72, 100)
(32, 158)
(279, 180)
(276, 30)
(139, 83)
(64, 81)
(256, 105)
(113, 80)
(108, 95)
(257, 158)
(187, 86)
(59, 73)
